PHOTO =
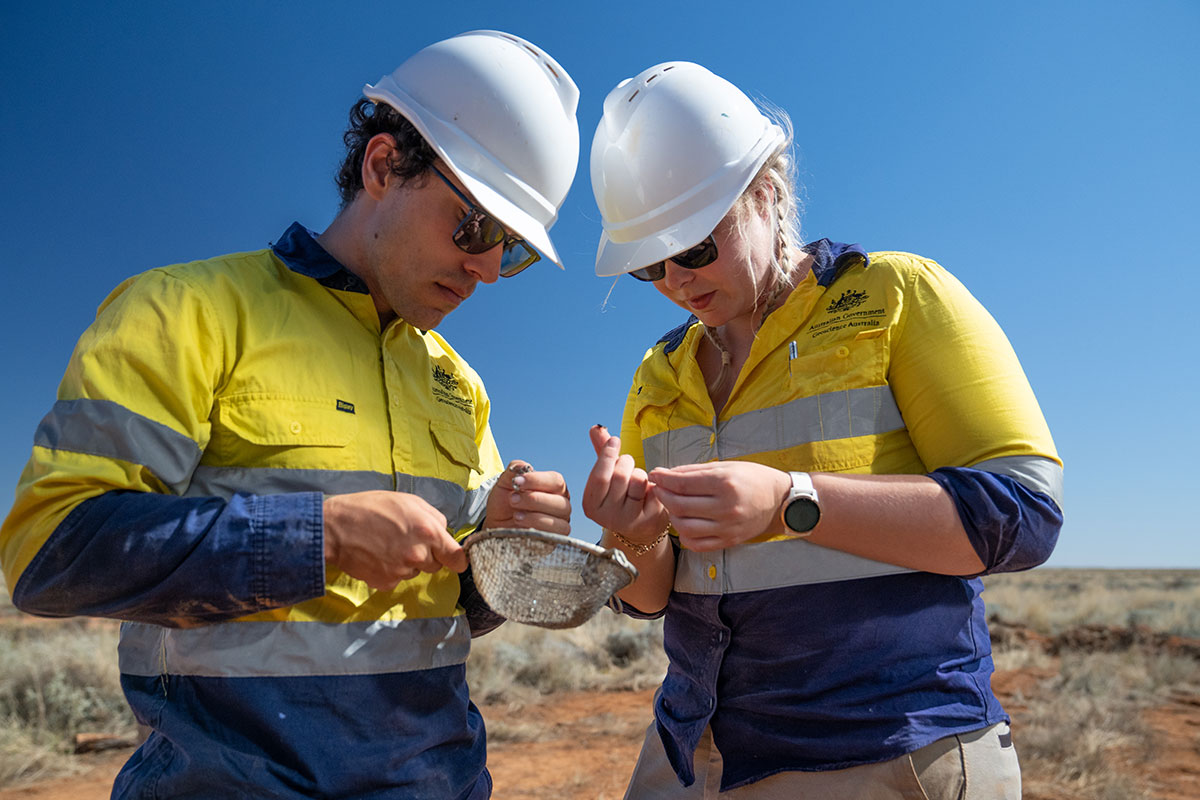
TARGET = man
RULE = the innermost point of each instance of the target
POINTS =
(264, 462)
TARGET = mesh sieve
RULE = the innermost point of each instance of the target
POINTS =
(545, 579)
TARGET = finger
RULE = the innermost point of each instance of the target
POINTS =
(512, 471)
(554, 505)
(546, 481)
(600, 477)
(684, 481)
(448, 553)
(638, 485)
(599, 436)
(686, 506)
(544, 522)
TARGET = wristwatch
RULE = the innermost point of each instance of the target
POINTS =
(801, 508)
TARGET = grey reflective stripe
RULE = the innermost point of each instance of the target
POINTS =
(823, 417)
(476, 505)
(280, 649)
(1036, 473)
(209, 481)
(109, 430)
(771, 565)
(461, 507)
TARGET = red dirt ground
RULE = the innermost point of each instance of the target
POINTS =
(582, 746)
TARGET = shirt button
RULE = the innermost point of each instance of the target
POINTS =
(843, 351)
(296, 427)
(712, 571)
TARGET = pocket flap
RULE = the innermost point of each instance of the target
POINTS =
(456, 442)
(285, 420)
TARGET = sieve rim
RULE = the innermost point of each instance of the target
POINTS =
(609, 554)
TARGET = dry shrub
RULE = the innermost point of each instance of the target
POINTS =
(56, 680)
(1085, 726)
(1052, 600)
(607, 652)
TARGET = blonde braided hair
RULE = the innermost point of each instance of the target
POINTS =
(777, 175)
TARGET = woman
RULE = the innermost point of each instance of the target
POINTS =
(812, 473)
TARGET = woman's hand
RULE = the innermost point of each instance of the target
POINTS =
(618, 495)
(526, 498)
(722, 503)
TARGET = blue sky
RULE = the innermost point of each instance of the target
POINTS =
(1046, 153)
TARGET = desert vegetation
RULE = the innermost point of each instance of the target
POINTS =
(1100, 670)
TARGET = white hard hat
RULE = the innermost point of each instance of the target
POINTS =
(501, 113)
(675, 149)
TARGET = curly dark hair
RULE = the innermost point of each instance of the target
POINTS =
(412, 156)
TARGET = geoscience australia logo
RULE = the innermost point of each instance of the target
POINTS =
(851, 298)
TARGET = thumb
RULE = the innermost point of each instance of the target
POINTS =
(450, 553)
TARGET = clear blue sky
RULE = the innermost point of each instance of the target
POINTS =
(1046, 153)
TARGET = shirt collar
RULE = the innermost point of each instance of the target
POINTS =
(298, 248)
(831, 259)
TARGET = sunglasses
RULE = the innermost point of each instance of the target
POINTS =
(696, 257)
(479, 232)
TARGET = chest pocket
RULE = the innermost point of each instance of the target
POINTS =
(457, 453)
(849, 363)
(842, 403)
(276, 430)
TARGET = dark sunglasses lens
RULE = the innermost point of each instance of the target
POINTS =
(654, 272)
(516, 257)
(478, 233)
(701, 255)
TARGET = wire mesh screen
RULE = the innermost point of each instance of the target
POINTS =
(544, 579)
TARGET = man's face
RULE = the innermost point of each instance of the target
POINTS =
(416, 270)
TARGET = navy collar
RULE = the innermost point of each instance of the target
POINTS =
(298, 248)
(830, 259)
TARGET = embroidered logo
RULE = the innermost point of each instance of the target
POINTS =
(447, 381)
(446, 391)
(342, 405)
(849, 299)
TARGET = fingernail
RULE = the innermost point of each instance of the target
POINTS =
(518, 482)
(519, 516)
(516, 497)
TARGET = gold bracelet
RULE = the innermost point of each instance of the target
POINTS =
(640, 548)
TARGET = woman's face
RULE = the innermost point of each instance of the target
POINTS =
(727, 289)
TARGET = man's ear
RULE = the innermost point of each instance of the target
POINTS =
(376, 168)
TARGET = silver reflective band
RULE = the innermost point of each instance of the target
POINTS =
(1035, 473)
(280, 649)
(771, 565)
(835, 415)
(109, 430)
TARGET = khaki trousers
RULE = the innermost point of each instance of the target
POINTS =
(979, 765)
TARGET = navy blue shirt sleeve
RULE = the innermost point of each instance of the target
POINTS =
(1010, 526)
(178, 561)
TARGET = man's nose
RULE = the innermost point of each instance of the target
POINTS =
(485, 266)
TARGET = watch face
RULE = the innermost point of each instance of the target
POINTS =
(802, 515)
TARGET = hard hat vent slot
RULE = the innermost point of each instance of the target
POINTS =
(635, 94)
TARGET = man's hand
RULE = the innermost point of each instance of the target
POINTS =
(618, 495)
(383, 537)
(721, 503)
(526, 498)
